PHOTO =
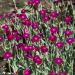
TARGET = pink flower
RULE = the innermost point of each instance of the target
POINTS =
(68, 19)
(1, 38)
(43, 12)
(25, 48)
(45, 18)
(23, 11)
(34, 2)
(1, 17)
(59, 44)
(53, 73)
(5, 27)
(10, 37)
(54, 29)
(37, 59)
(68, 32)
(35, 38)
(70, 40)
(27, 72)
(52, 38)
(35, 25)
(30, 47)
(44, 49)
(58, 60)
(18, 37)
(7, 55)
(26, 22)
(54, 14)
(26, 35)
(63, 73)
(30, 2)
(22, 16)
(57, 1)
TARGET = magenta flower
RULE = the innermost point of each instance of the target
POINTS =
(7, 55)
(33, 2)
(29, 56)
(63, 73)
(23, 11)
(18, 37)
(59, 44)
(25, 48)
(54, 14)
(10, 37)
(36, 2)
(26, 22)
(30, 47)
(30, 2)
(1, 38)
(35, 25)
(68, 19)
(58, 60)
(20, 45)
(45, 18)
(57, 1)
(1, 17)
(44, 49)
(54, 29)
(27, 72)
(70, 40)
(26, 35)
(52, 38)
(53, 73)
(22, 16)
(68, 32)
(35, 38)
(43, 12)
(5, 27)
(37, 60)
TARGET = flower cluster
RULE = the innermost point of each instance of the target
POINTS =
(38, 41)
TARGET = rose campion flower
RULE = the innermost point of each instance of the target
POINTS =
(26, 22)
(58, 60)
(26, 71)
(37, 60)
(43, 12)
(70, 40)
(68, 19)
(45, 18)
(35, 25)
(10, 37)
(52, 38)
(54, 29)
(35, 38)
(7, 55)
(44, 49)
(52, 73)
(26, 35)
(23, 11)
(54, 14)
(57, 1)
(68, 32)
(25, 48)
(34, 2)
(63, 73)
(22, 16)
(59, 44)
(1, 38)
